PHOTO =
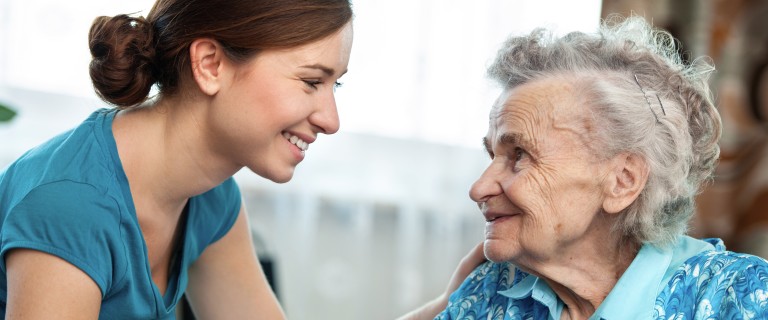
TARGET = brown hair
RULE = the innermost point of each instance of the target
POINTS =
(131, 54)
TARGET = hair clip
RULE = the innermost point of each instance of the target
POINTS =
(648, 100)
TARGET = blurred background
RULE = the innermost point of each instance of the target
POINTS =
(377, 216)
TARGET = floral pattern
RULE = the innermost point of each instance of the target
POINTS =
(715, 284)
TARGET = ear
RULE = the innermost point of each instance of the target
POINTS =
(623, 184)
(206, 56)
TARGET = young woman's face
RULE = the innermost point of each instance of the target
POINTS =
(278, 103)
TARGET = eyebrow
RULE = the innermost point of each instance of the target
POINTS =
(487, 146)
(509, 138)
(328, 71)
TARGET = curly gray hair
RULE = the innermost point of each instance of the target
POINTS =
(623, 70)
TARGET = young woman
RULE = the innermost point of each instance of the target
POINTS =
(118, 217)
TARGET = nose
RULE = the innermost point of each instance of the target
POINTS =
(326, 117)
(486, 186)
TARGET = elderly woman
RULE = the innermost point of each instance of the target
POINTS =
(598, 145)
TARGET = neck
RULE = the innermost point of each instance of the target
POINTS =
(166, 154)
(585, 277)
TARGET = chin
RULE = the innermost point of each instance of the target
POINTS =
(497, 251)
(281, 179)
(277, 177)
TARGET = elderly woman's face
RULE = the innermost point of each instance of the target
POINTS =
(542, 191)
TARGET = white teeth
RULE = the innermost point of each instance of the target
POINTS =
(296, 141)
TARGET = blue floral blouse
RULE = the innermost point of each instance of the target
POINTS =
(694, 279)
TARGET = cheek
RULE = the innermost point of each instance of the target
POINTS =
(552, 202)
(576, 202)
(257, 96)
(566, 179)
(284, 103)
(533, 191)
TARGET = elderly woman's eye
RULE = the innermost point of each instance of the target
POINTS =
(518, 158)
(519, 154)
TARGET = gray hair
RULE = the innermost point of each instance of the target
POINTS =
(644, 100)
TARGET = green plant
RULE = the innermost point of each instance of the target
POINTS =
(6, 113)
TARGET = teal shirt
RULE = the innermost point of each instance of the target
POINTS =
(69, 197)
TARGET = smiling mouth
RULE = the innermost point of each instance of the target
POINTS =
(494, 218)
(296, 141)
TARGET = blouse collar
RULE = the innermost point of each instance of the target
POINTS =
(635, 293)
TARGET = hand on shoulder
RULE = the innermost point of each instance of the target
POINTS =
(467, 264)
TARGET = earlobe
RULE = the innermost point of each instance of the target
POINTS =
(625, 181)
(206, 60)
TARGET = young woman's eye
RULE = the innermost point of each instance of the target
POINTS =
(312, 83)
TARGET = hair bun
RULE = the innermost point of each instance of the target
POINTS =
(122, 67)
